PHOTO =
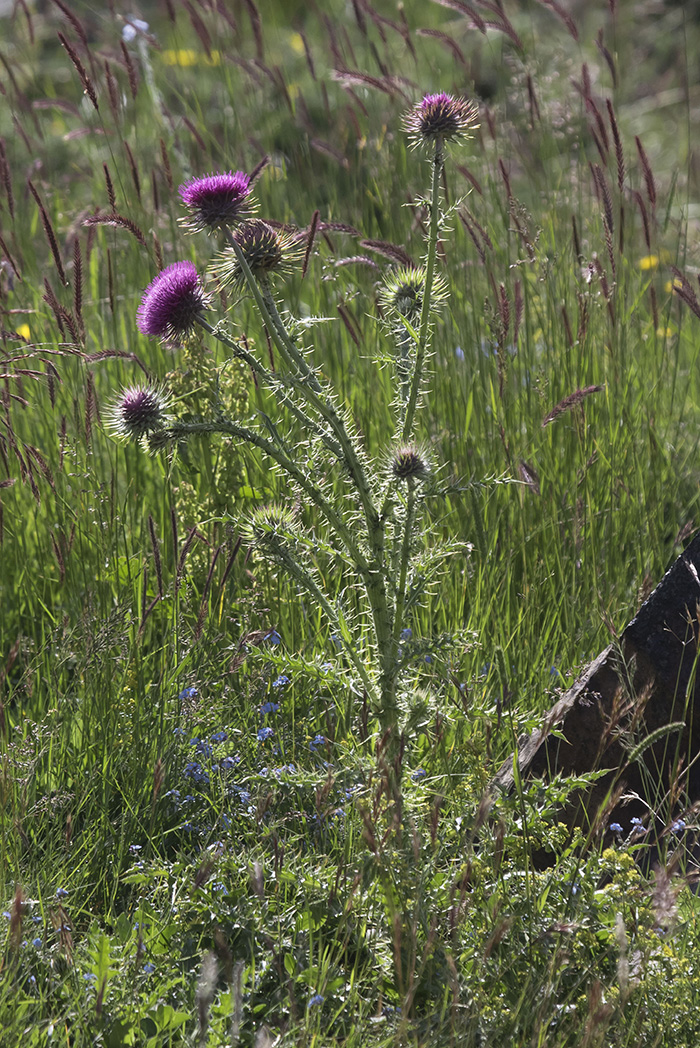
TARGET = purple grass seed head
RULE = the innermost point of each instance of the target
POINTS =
(217, 201)
(172, 302)
(441, 118)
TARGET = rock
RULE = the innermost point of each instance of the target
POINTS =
(633, 711)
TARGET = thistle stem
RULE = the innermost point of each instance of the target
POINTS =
(374, 578)
(421, 348)
(232, 429)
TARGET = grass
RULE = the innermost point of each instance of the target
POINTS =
(172, 871)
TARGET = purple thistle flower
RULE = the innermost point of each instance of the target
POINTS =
(138, 411)
(216, 201)
(441, 118)
(172, 302)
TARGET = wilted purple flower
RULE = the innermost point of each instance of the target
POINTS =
(216, 200)
(138, 411)
(172, 302)
(442, 118)
(266, 250)
(410, 463)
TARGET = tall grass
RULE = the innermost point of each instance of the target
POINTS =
(150, 821)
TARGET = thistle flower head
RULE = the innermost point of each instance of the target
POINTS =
(217, 200)
(172, 302)
(410, 462)
(139, 411)
(441, 118)
(403, 288)
(265, 249)
(268, 525)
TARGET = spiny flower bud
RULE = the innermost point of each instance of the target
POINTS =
(217, 200)
(403, 292)
(270, 524)
(409, 462)
(266, 250)
(441, 118)
(172, 302)
(138, 411)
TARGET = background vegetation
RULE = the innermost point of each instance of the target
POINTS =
(198, 840)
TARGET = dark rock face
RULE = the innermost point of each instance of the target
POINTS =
(644, 690)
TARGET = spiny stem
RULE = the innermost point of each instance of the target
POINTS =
(438, 163)
(232, 429)
(405, 557)
(276, 384)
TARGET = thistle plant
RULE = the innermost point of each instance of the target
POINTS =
(373, 533)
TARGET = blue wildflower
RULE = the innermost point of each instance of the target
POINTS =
(280, 681)
(204, 748)
(615, 827)
(194, 771)
(269, 707)
(219, 736)
(406, 634)
(219, 887)
(135, 848)
(678, 826)
(228, 762)
(273, 638)
(459, 353)
(61, 893)
(316, 1000)
(318, 740)
(89, 977)
(38, 943)
(265, 733)
(149, 968)
(178, 731)
(419, 773)
(188, 693)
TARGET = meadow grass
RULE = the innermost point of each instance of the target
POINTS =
(202, 839)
